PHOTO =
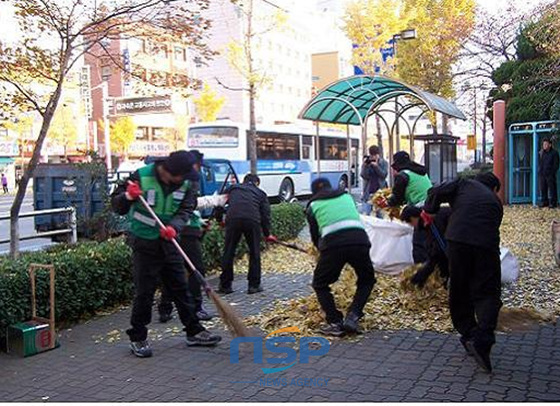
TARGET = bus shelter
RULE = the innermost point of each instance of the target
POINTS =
(524, 144)
(353, 100)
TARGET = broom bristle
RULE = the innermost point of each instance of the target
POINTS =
(230, 318)
(521, 319)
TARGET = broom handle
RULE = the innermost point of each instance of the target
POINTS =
(292, 246)
(196, 272)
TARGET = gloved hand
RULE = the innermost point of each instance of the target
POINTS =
(382, 203)
(427, 218)
(419, 279)
(271, 238)
(133, 191)
(168, 233)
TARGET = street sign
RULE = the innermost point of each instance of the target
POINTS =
(85, 90)
(471, 142)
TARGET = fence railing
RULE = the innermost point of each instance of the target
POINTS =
(73, 230)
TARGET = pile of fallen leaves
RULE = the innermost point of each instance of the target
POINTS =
(280, 259)
(397, 304)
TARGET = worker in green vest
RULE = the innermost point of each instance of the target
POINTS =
(411, 183)
(170, 188)
(340, 237)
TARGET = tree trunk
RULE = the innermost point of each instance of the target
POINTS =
(445, 124)
(252, 140)
(28, 173)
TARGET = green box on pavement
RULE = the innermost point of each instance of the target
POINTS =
(30, 338)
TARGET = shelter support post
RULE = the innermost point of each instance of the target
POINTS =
(349, 158)
(317, 149)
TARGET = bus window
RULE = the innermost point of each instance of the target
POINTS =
(207, 137)
(333, 148)
(272, 146)
(305, 152)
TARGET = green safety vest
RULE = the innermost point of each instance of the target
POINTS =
(338, 213)
(142, 224)
(417, 188)
(195, 221)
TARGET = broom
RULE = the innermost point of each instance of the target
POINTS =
(291, 245)
(232, 321)
(509, 318)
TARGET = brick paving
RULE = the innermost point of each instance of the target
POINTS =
(382, 366)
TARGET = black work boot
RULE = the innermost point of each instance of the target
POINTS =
(203, 339)
(332, 329)
(254, 289)
(481, 356)
(352, 323)
(224, 290)
(141, 349)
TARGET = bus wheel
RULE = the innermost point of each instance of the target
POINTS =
(286, 192)
(343, 182)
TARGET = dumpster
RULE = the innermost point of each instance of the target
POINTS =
(65, 185)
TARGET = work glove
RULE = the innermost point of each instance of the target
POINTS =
(382, 203)
(133, 191)
(419, 279)
(271, 238)
(168, 233)
(427, 218)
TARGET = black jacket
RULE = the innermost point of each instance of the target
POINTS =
(247, 202)
(548, 162)
(338, 239)
(121, 205)
(476, 212)
(398, 195)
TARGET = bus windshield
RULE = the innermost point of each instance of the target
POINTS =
(217, 137)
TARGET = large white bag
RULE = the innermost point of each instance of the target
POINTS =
(510, 266)
(391, 244)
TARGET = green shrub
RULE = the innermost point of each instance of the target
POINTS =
(93, 276)
(89, 277)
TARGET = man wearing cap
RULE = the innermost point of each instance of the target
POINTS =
(411, 182)
(549, 162)
(473, 249)
(248, 213)
(340, 237)
(169, 186)
(191, 242)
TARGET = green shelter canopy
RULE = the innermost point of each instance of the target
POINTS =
(352, 100)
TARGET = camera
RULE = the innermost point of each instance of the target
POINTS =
(369, 159)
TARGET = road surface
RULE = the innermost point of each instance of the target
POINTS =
(26, 225)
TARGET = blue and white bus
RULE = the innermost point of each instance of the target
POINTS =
(286, 154)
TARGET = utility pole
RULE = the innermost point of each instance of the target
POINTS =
(475, 124)
(106, 124)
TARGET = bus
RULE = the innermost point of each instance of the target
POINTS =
(286, 154)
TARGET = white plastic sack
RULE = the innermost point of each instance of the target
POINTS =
(391, 244)
(510, 266)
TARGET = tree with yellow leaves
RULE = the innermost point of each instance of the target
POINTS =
(208, 104)
(370, 25)
(63, 130)
(176, 136)
(122, 133)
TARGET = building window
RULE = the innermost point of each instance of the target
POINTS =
(142, 133)
(180, 54)
(157, 133)
(3, 131)
(271, 146)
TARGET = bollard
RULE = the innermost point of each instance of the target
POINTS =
(73, 226)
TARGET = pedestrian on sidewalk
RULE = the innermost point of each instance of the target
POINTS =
(340, 237)
(191, 242)
(374, 173)
(170, 188)
(473, 239)
(247, 214)
(412, 215)
(548, 168)
(5, 184)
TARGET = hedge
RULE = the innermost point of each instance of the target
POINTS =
(92, 276)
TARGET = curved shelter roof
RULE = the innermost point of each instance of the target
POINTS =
(352, 100)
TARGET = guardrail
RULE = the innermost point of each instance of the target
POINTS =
(73, 230)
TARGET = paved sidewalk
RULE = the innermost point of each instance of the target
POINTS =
(382, 366)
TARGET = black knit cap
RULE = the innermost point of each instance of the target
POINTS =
(490, 180)
(399, 159)
(409, 212)
(320, 184)
(198, 156)
(179, 163)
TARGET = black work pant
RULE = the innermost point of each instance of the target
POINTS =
(419, 245)
(549, 190)
(154, 260)
(251, 230)
(192, 246)
(474, 296)
(328, 271)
